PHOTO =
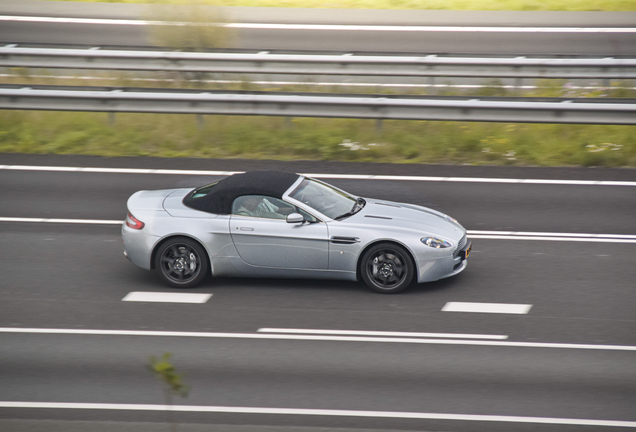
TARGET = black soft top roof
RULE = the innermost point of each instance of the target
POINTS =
(220, 198)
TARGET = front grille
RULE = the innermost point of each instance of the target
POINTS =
(460, 245)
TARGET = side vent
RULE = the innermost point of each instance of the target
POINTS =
(378, 217)
(344, 240)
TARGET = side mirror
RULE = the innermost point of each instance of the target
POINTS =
(295, 218)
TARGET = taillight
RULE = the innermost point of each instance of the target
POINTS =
(133, 222)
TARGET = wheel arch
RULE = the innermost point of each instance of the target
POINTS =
(157, 245)
(390, 241)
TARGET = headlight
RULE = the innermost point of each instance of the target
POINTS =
(435, 242)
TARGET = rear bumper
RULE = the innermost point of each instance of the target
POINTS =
(138, 246)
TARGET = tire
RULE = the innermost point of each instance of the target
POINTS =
(181, 262)
(387, 268)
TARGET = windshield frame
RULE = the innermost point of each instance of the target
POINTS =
(352, 199)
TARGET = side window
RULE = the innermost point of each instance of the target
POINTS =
(261, 206)
(267, 207)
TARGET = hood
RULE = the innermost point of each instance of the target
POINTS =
(409, 217)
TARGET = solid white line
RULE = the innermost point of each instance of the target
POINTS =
(454, 29)
(503, 308)
(67, 221)
(548, 234)
(315, 338)
(491, 235)
(140, 296)
(328, 27)
(61, 20)
(323, 176)
(318, 412)
(382, 333)
(474, 180)
(115, 170)
(559, 239)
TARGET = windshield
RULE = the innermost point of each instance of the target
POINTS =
(324, 198)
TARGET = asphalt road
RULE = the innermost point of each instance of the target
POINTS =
(436, 42)
(74, 277)
(66, 276)
(326, 375)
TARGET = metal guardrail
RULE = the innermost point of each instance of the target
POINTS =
(290, 105)
(306, 64)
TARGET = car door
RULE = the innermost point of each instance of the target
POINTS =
(263, 237)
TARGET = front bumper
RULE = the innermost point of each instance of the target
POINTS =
(465, 252)
(429, 270)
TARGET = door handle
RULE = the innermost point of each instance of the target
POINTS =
(246, 229)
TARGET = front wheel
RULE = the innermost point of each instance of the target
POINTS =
(181, 262)
(387, 268)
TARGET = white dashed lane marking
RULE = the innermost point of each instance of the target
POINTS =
(502, 308)
(160, 297)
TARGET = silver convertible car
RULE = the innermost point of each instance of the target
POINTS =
(285, 225)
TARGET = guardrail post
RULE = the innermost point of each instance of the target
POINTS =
(288, 123)
(378, 126)
(518, 85)
(200, 121)
(431, 85)
(111, 118)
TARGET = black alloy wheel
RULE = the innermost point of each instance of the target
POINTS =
(181, 262)
(387, 268)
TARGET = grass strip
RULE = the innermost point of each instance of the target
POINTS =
(166, 135)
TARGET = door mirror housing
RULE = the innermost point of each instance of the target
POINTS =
(295, 218)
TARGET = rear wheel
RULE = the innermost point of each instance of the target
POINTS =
(387, 268)
(181, 262)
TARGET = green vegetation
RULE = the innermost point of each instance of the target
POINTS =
(544, 88)
(172, 383)
(201, 34)
(522, 5)
(316, 139)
